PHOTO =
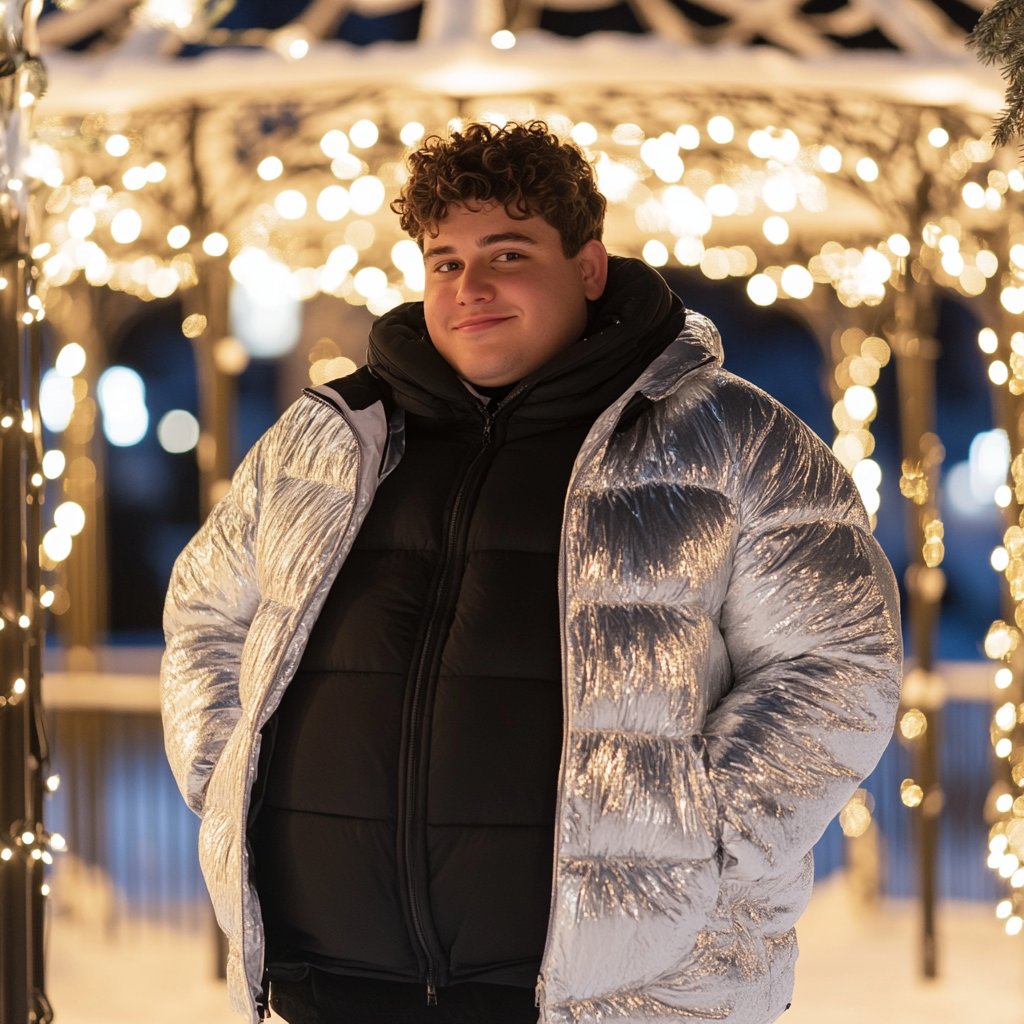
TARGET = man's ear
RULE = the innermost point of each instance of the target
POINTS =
(593, 263)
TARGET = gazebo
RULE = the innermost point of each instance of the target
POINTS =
(832, 155)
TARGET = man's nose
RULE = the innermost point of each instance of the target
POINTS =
(473, 286)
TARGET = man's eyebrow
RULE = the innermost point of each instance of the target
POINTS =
(505, 236)
(482, 243)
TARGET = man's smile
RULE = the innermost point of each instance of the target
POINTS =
(480, 323)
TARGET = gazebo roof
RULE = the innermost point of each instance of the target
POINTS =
(122, 54)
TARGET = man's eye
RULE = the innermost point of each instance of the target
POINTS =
(510, 257)
(446, 267)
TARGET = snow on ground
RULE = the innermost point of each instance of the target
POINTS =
(135, 974)
(862, 966)
(857, 966)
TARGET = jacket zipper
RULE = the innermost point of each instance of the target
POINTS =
(426, 659)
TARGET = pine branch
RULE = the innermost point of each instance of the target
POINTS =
(999, 39)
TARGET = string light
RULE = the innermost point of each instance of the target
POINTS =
(720, 129)
(178, 236)
(270, 168)
(788, 181)
(655, 253)
(776, 230)
(290, 204)
(363, 134)
(867, 169)
(117, 145)
(855, 817)
(1006, 838)
(215, 244)
(134, 178)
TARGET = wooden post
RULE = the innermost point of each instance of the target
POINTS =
(84, 571)
(915, 352)
(23, 753)
(216, 388)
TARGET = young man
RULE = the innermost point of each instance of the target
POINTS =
(529, 661)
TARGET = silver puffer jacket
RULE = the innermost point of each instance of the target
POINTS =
(731, 663)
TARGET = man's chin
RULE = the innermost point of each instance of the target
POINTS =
(487, 374)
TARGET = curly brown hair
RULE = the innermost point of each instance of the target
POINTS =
(524, 166)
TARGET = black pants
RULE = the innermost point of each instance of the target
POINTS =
(323, 998)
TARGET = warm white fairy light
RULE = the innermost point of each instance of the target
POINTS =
(776, 230)
(333, 203)
(215, 244)
(973, 195)
(334, 143)
(371, 282)
(411, 133)
(797, 282)
(867, 169)
(290, 204)
(69, 517)
(178, 236)
(721, 200)
(366, 195)
(363, 134)
(762, 290)
(721, 129)
(655, 253)
(126, 226)
(269, 168)
(584, 134)
(81, 223)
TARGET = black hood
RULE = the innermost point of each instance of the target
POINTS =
(628, 327)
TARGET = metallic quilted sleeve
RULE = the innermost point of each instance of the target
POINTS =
(811, 625)
(211, 600)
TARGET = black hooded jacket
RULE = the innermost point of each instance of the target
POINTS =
(407, 784)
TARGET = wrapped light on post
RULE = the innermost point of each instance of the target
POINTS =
(23, 750)
(922, 696)
(855, 376)
(1004, 807)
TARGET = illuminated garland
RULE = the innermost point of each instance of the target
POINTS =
(1006, 836)
(318, 222)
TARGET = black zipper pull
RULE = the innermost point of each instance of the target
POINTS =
(431, 992)
(487, 429)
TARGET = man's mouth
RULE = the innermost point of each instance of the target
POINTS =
(479, 323)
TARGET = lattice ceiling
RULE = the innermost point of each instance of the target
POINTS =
(802, 27)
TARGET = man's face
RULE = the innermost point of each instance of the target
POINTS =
(501, 297)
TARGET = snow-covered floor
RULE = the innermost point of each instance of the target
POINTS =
(862, 967)
(856, 967)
